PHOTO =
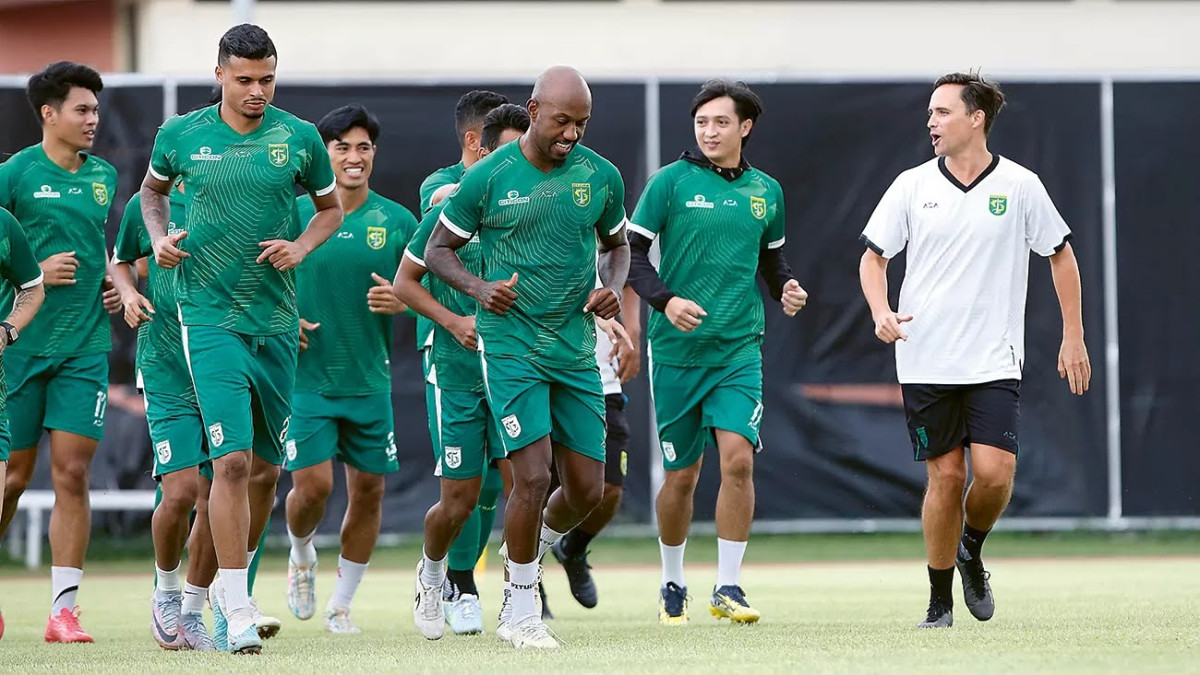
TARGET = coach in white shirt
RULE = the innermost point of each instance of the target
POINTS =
(969, 220)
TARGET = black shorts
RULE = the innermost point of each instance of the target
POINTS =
(942, 417)
(616, 440)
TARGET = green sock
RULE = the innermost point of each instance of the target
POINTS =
(489, 495)
(258, 553)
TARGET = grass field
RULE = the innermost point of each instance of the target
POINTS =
(1064, 604)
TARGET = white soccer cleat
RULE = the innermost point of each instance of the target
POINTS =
(532, 633)
(465, 615)
(337, 621)
(302, 589)
(428, 613)
(268, 626)
(503, 629)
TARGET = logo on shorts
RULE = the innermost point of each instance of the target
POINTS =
(512, 426)
(624, 463)
(100, 193)
(922, 439)
(581, 193)
(376, 237)
(756, 417)
(163, 449)
(290, 449)
(391, 447)
(758, 207)
(283, 432)
(998, 204)
(216, 435)
(278, 154)
(668, 449)
(453, 457)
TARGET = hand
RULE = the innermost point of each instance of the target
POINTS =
(306, 326)
(604, 303)
(616, 335)
(110, 297)
(498, 296)
(137, 308)
(167, 252)
(794, 297)
(684, 314)
(887, 327)
(381, 299)
(1074, 365)
(629, 359)
(282, 254)
(463, 330)
(59, 269)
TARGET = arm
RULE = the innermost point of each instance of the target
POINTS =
(775, 271)
(285, 255)
(629, 358)
(613, 268)
(26, 305)
(441, 259)
(410, 291)
(1073, 362)
(872, 274)
(643, 278)
(137, 308)
(156, 214)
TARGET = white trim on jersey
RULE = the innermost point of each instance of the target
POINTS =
(776, 244)
(437, 411)
(325, 191)
(30, 284)
(456, 230)
(623, 223)
(634, 227)
(158, 175)
(409, 254)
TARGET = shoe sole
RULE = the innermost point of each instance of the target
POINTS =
(267, 632)
(722, 614)
(253, 650)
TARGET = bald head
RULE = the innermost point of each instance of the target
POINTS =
(562, 85)
(559, 108)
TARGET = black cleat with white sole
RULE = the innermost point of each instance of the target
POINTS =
(939, 615)
(977, 592)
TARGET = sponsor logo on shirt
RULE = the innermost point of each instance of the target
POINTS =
(729, 202)
(100, 193)
(206, 155)
(345, 235)
(46, 192)
(758, 207)
(75, 191)
(581, 193)
(376, 237)
(514, 197)
(998, 204)
(929, 205)
(278, 154)
(699, 202)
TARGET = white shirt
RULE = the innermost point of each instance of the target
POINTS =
(968, 267)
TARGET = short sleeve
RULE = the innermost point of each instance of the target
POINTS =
(775, 235)
(464, 207)
(304, 211)
(1045, 230)
(403, 226)
(650, 216)
(420, 239)
(887, 230)
(613, 218)
(162, 157)
(431, 185)
(8, 186)
(133, 242)
(21, 268)
(317, 176)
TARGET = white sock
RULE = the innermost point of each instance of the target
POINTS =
(433, 572)
(672, 563)
(304, 553)
(350, 574)
(546, 539)
(234, 590)
(193, 599)
(729, 562)
(65, 584)
(168, 582)
(523, 579)
(250, 557)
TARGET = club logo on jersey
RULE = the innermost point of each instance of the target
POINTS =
(699, 202)
(758, 207)
(581, 193)
(163, 450)
(290, 449)
(216, 435)
(376, 237)
(998, 204)
(100, 193)
(278, 154)
(46, 192)
(453, 457)
(512, 426)
(205, 155)
(668, 449)
(514, 197)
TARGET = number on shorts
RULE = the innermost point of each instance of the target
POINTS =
(101, 407)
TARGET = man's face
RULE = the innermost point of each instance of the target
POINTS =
(719, 132)
(352, 157)
(75, 121)
(557, 127)
(951, 127)
(507, 136)
(247, 86)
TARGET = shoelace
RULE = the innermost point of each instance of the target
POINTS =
(303, 582)
(195, 625)
(936, 610)
(431, 600)
(72, 620)
(341, 619)
(977, 576)
(675, 600)
(170, 619)
(470, 610)
(538, 630)
(736, 595)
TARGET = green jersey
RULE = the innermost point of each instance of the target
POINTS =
(241, 191)
(456, 367)
(62, 211)
(161, 366)
(442, 177)
(20, 269)
(349, 354)
(712, 231)
(543, 227)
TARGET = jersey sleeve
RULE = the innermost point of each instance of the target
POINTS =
(133, 242)
(404, 226)
(650, 216)
(21, 268)
(317, 174)
(886, 232)
(420, 239)
(8, 185)
(1046, 232)
(464, 206)
(162, 158)
(304, 211)
(431, 185)
(776, 233)
(613, 218)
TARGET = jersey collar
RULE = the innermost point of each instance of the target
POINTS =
(730, 175)
(967, 188)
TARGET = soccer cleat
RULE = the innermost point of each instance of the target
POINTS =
(504, 620)
(939, 615)
(1, 624)
(64, 627)
(672, 605)
(465, 615)
(532, 633)
(729, 602)
(977, 592)
(220, 632)
(268, 626)
(164, 619)
(428, 613)
(302, 589)
(194, 634)
(579, 574)
(542, 607)
(246, 642)
(337, 621)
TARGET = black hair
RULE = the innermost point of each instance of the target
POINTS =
(977, 94)
(246, 41)
(746, 103)
(53, 84)
(337, 122)
(507, 116)
(472, 107)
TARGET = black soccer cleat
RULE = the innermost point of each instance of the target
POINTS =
(977, 592)
(579, 575)
(546, 613)
(939, 615)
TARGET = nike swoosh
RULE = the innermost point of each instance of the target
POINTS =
(162, 634)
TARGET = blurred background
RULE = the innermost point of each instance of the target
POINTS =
(1100, 93)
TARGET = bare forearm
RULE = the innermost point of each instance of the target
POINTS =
(420, 300)
(123, 274)
(1065, 271)
(322, 226)
(613, 267)
(872, 274)
(156, 212)
(631, 312)
(26, 305)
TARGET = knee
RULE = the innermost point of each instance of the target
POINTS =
(15, 483)
(533, 483)
(313, 488)
(682, 481)
(613, 492)
(233, 468)
(179, 500)
(263, 475)
(947, 474)
(583, 498)
(738, 467)
(366, 494)
(459, 510)
(995, 476)
(71, 476)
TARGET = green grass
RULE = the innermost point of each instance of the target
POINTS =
(1075, 613)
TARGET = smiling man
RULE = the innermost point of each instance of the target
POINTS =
(343, 402)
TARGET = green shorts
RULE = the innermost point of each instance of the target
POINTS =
(530, 401)
(462, 431)
(244, 388)
(56, 393)
(691, 403)
(5, 439)
(176, 431)
(358, 430)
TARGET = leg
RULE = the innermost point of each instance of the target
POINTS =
(581, 490)
(71, 519)
(364, 513)
(229, 508)
(735, 505)
(992, 473)
(942, 511)
(311, 487)
(202, 556)
(20, 471)
(169, 524)
(445, 518)
(264, 476)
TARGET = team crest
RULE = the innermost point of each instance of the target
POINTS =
(998, 204)
(216, 435)
(278, 154)
(163, 449)
(453, 457)
(100, 193)
(581, 193)
(758, 207)
(376, 237)
(290, 449)
(512, 426)
(668, 449)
